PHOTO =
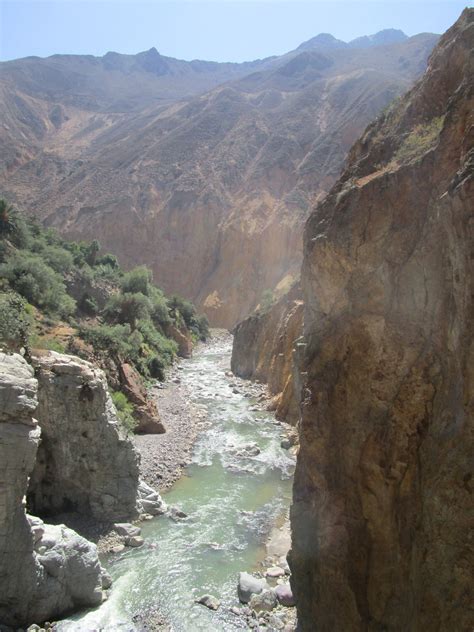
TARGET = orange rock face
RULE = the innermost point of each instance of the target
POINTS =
(382, 511)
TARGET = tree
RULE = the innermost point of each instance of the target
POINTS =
(92, 251)
(7, 221)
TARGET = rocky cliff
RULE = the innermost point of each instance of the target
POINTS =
(263, 351)
(382, 512)
(45, 570)
(189, 188)
(83, 463)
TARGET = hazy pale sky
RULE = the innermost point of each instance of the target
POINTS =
(222, 30)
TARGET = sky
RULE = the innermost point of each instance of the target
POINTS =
(219, 30)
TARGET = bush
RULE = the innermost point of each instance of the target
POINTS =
(39, 284)
(422, 138)
(112, 339)
(156, 368)
(15, 321)
(128, 308)
(159, 312)
(138, 280)
(124, 412)
(164, 347)
(51, 344)
(58, 258)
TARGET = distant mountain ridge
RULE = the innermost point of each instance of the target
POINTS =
(328, 41)
(209, 185)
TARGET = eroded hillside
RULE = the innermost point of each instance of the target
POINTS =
(212, 192)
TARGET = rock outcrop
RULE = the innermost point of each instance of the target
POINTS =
(45, 570)
(84, 463)
(145, 410)
(263, 351)
(382, 513)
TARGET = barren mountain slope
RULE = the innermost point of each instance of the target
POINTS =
(213, 192)
(382, 506)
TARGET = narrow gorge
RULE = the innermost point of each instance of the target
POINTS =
(236, 339)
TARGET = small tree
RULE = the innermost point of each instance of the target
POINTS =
(7, 221)
(15, 321)
(92, 251)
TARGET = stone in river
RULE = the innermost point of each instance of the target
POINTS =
(209, 601)
(134, 541)
(127, 529)
(249, 585)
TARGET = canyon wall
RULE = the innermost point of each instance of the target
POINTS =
(83, 463)
(211, 192)
(45, 570)
(382, 513)
(263, 351)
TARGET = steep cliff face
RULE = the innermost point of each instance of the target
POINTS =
(382, 511)
(263, 350)
(45, 570)
(83, 463)
(212, 193)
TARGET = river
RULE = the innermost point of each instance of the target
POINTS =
(232, 502)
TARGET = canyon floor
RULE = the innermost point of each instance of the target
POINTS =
(227, 483)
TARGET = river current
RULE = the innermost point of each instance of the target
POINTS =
(232, 501)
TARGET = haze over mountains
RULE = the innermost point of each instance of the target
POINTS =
(204, 171)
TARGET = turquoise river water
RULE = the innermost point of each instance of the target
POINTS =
(232, 502)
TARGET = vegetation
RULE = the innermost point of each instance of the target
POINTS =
(267, 300)
(123, 316)
(124, 412)
(419, 140)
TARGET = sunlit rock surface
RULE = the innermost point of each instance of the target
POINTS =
(45, 570)
(382, 512)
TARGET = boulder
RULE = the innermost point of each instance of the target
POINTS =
(284, 594)
(264, 601)
(126, 529)
(275, 571)
(249, 585)
(209, 601)
(145, 410)
(84, 462)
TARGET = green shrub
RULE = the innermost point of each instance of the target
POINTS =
(138, 280)
(156, 368)
(124, 412)
(15, 321)
(267, 300)
(127, 308)
(112, 339)
(60, 259)
(51, 344)
(39, 284)
(422, 138)
(164, 347)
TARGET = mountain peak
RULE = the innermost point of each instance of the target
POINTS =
(381, 38)
(323, 40)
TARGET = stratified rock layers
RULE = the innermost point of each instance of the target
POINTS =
(44, 570)
(382, 514)
(84, 464)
